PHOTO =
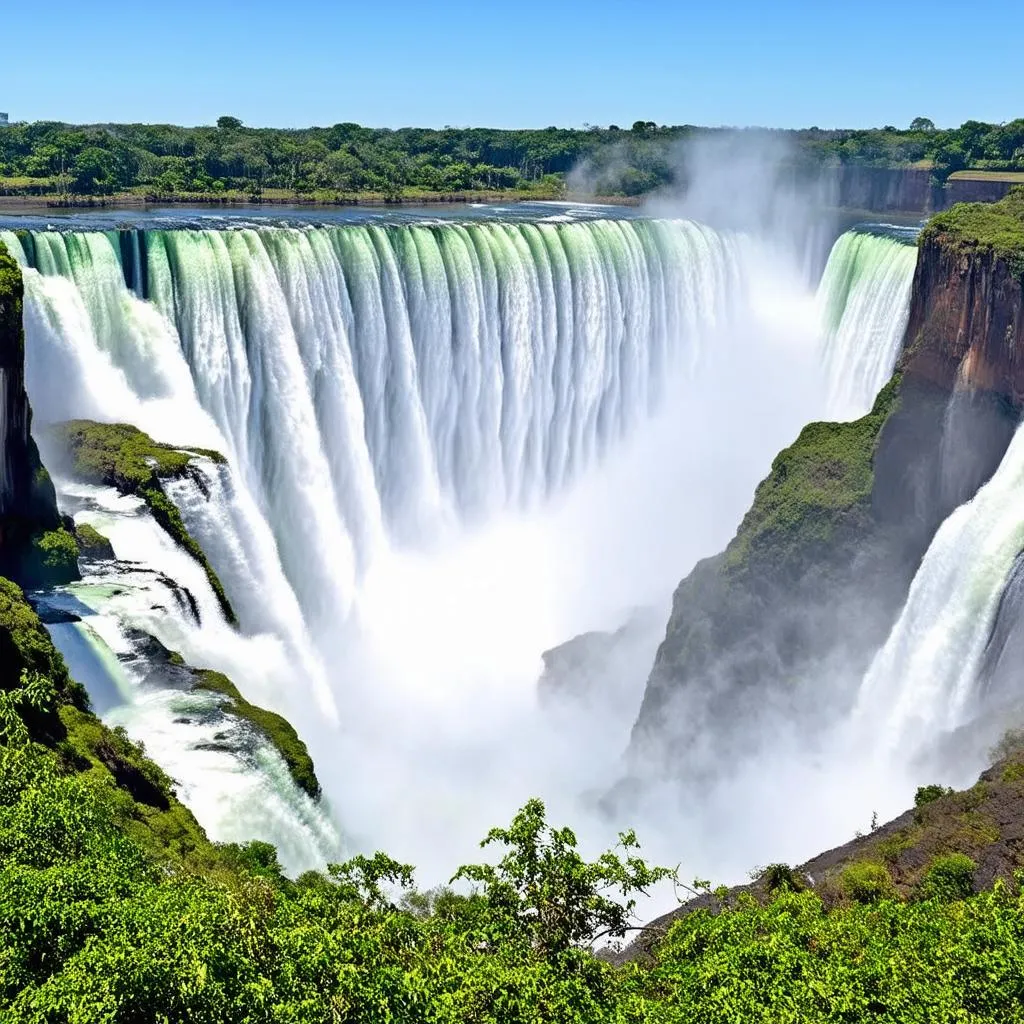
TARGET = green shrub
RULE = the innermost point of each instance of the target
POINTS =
(928, 794)
(866, 882)
(51, 559)
(782, 878)
(949, 877)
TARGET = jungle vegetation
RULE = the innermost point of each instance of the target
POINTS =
(347, 159)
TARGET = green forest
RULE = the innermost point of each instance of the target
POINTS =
(349, 160)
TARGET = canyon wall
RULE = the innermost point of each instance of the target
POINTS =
(35, 546)
(783, 623)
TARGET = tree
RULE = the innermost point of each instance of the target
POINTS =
(93, 170)
(549, 894)
(922, 124)
(228, 122)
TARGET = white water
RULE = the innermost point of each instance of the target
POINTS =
(235, 797)
(865, 301)
(450, 447)
(922, 682)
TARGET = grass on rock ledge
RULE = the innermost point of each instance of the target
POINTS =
(278, 731)
(122, 456)
(993, 227)
(818, 492)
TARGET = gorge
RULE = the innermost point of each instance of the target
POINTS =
(368, 478)
(442, 408)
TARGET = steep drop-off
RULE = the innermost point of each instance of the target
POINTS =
(787, 618)
(967, 309)
(35, 546)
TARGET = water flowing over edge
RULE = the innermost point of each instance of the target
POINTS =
(311, 357)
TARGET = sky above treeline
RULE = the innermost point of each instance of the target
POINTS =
(523, 64)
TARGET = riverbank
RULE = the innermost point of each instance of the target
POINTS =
(285, 197)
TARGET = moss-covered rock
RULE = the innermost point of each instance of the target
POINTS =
(122, 456)
(92, 543)
(276, 729)
(817, 496)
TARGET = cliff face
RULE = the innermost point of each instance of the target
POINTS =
(908, 190)
(35, 546)
(966, 319)
(784, 622)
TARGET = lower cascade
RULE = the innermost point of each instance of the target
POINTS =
(435, 436)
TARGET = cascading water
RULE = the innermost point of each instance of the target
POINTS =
(923, 681)
(232, 778)
(865, 301)
(448, 445)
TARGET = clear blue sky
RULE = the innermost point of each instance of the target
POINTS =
(521, 64)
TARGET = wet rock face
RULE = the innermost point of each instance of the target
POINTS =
(593, 667)
(35, 549)
(966, 323)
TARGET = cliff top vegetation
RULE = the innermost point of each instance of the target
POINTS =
(994, 227)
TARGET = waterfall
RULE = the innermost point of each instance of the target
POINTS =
(235, 782)
(923, 681)
(865, 302)
(373, 384)
(432, 432)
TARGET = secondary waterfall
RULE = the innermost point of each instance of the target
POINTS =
(413, 418)
(865, 299)
(923, 681)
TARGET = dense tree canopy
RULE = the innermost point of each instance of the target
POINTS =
(347, 158)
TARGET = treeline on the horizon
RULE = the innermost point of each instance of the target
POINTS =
(51, 158)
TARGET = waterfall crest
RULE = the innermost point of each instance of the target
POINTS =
(865, 301)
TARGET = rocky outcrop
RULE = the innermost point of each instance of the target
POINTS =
(36, 548)
(967, 309)
(122, 456)
(783, 623)
(586, 668)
